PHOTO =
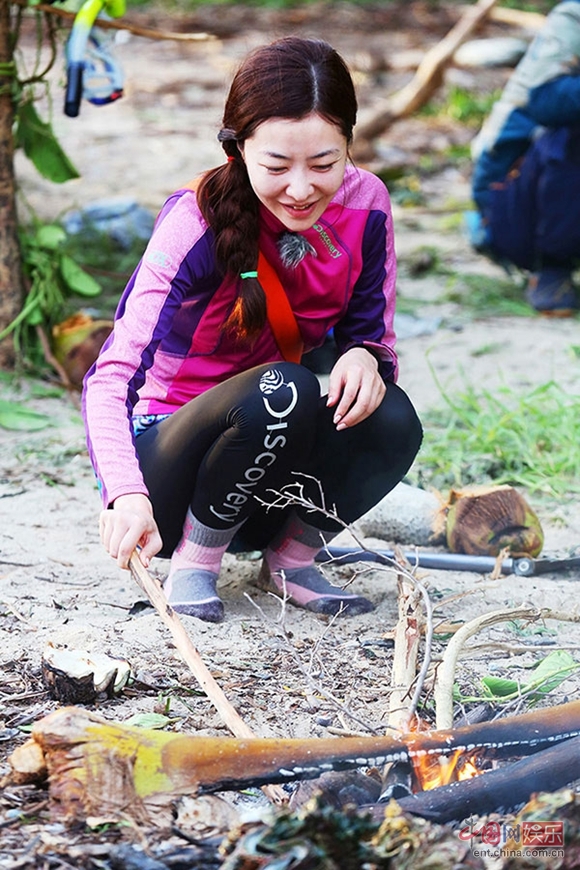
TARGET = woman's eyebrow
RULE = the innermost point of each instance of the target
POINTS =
(318, 156)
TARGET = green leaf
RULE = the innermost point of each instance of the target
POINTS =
(498, 687)
(40, 145)
(50, 236)
(552, 671)
(148, 720)
(14, 416)
(548, 674)
(77, 279)
(554, 661)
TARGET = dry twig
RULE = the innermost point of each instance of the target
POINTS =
(294, 494)
(315, 686)
(446, 672)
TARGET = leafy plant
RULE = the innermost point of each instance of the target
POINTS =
(52, 277)
(528, 439)
(19, 419)
(38, 142)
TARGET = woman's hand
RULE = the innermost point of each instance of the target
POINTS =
(355, 387)
(129, 524)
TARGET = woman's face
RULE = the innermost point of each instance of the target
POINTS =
(295, 167)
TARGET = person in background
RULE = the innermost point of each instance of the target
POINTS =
(526, 176)
(198, 411)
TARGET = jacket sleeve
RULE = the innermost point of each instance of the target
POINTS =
(143, 319)
(368, 321)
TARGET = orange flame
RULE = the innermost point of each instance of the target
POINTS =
(431, 771)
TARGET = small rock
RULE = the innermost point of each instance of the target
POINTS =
(501, 51)
(122, 219)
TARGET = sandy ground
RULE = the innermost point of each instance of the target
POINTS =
(287, 672)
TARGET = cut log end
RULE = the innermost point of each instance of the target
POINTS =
(484, 520)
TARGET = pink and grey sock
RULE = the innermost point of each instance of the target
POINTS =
(289, 567)
(190, 586)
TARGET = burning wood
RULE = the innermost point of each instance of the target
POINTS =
(95, 767)
(501, 790)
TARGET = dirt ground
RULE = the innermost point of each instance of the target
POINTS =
(283, 671)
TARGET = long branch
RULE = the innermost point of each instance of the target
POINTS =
(135, 29)
(427, 78)
(443, 692)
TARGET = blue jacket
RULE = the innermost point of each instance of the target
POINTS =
(542, 93)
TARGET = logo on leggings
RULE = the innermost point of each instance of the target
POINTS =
(270, 382)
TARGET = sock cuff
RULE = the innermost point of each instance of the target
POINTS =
(195, 532)
(302, 532)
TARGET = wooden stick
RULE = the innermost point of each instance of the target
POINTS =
(187, 650)
(194, 661)
(425, 81)
(406, 653)
(443, 691)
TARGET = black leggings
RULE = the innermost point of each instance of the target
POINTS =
(246, 438)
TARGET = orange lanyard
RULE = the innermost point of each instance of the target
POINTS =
(279, 312)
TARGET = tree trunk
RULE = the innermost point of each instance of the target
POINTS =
(11, 287)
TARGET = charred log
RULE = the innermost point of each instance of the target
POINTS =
(502, 790)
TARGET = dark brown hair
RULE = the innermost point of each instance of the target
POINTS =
(290, 78)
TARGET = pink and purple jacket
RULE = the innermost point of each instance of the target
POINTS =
(168, 345)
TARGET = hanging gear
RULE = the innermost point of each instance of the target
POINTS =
(91, 71)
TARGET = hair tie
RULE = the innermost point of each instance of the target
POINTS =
(248, 275)
(231, 159)
(227, 135)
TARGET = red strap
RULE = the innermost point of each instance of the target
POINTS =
(279, 312)
(278, 309)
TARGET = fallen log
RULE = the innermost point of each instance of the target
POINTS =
(96, 767)
(100, 768)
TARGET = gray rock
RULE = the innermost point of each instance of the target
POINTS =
(500, 51)
(407, 515)
(121, 219)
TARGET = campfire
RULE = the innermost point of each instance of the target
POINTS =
(430, 772)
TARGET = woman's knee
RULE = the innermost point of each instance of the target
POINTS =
(289, 394)
(293, 376)
(399, 420)
(279, 413)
